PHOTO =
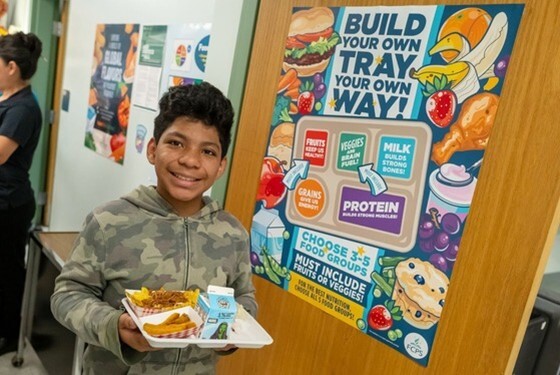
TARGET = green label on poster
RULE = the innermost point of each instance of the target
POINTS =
(153, 43)
(351, 151)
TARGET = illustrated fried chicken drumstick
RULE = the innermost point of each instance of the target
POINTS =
(471, 130)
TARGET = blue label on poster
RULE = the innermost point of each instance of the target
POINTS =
(202, 52)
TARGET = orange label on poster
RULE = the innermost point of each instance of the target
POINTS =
(309, 198)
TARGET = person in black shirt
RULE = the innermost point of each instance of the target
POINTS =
(20, 126)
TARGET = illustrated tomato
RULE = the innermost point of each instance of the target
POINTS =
(117, 140)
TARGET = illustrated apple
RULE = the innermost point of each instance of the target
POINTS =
(271, 188)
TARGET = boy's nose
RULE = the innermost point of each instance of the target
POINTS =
(190, 159)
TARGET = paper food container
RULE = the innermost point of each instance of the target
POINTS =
(217, 308)
(246, 331)
(145, 311)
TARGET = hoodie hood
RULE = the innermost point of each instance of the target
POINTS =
(148, 199)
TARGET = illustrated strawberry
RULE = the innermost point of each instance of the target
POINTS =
(306, 100)
(381, 317)
(441, 103)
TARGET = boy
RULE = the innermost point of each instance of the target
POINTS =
(166, 236)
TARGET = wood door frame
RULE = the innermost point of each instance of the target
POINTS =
(57, 95)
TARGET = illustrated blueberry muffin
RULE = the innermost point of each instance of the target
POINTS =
(420, 290)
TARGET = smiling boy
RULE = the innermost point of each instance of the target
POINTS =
(169, 236)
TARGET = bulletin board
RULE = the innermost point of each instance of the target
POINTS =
(513, 219)
(91, 170)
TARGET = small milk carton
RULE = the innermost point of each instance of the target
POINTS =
(217, 308)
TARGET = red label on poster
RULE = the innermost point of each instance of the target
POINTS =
(315, 147)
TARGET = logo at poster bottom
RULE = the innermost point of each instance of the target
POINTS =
(416, 345)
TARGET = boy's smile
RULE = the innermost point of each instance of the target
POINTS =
(187, 160)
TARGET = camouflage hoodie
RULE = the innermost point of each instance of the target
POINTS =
(137, 241)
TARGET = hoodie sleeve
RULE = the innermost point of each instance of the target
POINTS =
(77, 299)
(243, 283)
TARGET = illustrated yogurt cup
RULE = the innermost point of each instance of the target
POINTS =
(451, 190)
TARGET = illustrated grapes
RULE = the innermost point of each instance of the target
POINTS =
(427, 245)
(255, 260)
(439, 235)
(501, 66)
(426, 227)
(319, 90)
(317, 79)
(441, 241)
(451, 253)
(439, 261)
(451, 223)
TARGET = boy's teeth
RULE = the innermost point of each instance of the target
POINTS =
(183, 178)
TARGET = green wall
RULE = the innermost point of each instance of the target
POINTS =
(237, 83)
(43, 14)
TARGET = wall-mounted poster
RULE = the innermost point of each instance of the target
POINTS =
(150, 65)
(112, 75)
(380, 124)
(186, 51)
(4, 6)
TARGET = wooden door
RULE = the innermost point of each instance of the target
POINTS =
(512, 223)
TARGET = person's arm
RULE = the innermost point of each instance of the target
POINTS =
(16, 130)
(243, 281)
(7, 147)
(77, 299)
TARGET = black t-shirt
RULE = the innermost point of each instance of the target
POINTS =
(20, 120)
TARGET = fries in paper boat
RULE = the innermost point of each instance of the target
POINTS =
(147, 302)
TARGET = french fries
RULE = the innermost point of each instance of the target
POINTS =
(174, 323)
(163, 299)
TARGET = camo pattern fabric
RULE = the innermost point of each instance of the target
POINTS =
(138, 241)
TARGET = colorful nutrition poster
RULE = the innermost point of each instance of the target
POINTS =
(185, 54)
(380, 124)
(112, 75)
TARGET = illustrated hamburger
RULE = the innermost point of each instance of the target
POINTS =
(311, 41)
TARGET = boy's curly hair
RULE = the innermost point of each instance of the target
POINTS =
(198, 102)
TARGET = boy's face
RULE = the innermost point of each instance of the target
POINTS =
(187, 160)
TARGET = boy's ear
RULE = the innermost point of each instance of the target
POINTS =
(151, 151)
(222, 168)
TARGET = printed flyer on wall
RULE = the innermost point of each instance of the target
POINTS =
(112, 75)
(185, 56)
(381, 120)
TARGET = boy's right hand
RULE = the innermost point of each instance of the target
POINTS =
(131, 336)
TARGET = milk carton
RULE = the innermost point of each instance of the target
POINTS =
(217, 308)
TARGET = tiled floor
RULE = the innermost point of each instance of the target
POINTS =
(31, 365)
(52, 348)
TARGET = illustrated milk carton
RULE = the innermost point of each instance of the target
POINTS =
(217, 308)
(268, 230)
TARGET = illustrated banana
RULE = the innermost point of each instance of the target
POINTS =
(468, 86)
(485, 53)
(452, 42)
(455, 73)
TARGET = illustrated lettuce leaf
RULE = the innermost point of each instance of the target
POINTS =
(320, 46)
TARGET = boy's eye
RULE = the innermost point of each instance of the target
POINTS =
(209, 152)
(174, 142)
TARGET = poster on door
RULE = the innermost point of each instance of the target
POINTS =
(381, 120)
(112, 76)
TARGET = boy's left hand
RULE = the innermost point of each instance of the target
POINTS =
(131, 336)
(228, 349)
